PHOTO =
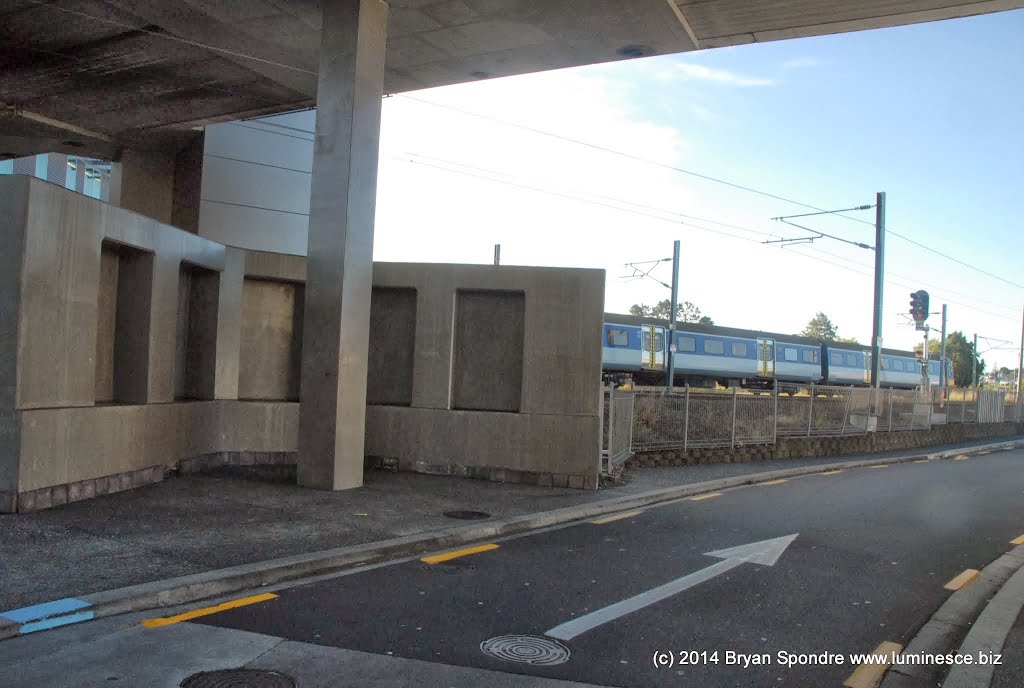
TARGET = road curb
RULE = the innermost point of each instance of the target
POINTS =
(184, 589)
(967, 620)
(990, 631)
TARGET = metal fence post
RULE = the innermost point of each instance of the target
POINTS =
(889, 429)
(732, 443)
(633, 413)
(846, 414)
(810, 411)
(600, 435)
(963, 407)
(775, 414)
(686, 418)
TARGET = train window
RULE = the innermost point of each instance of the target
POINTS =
(659, 341)
(739, 349)
(789, 353)
(714, 346)
(851, 360)
(687, 344)
(617, 337)
(897, 366)
(835, 358)
(809, 356)
(885, 364)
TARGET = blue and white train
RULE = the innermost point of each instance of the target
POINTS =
(707, 354)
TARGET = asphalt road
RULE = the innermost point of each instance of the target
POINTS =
(872, 552)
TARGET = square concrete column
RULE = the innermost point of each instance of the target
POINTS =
(332, 415)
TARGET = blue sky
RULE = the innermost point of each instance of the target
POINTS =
(931, 114)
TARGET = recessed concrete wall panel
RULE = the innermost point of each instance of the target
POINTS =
(392, 346)
(487, 371)
(271, 340)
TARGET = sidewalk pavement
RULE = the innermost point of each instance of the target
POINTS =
(196, 524)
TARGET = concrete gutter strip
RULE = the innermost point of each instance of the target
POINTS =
(953, 620)
(184, 589)
(989, 633)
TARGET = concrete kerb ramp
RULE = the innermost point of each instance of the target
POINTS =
(185, 589)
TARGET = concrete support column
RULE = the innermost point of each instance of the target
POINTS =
(162, 185)
(332, 416)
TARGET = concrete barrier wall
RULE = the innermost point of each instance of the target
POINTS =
(101, 309)
(814, 447)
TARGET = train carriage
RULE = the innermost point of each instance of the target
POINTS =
(706, 354)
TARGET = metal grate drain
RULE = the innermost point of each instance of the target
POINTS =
(238, 678)
(526, 649)
(466, 515)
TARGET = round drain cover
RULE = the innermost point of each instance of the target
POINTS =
(238, 678)
(466, 515)
(527, 649)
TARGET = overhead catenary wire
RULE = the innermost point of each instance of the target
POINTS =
(652, 212)
(705, 177)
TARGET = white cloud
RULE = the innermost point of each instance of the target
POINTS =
(721, 76)
(800, 63)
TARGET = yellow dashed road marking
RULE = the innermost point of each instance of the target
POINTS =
(961, 457)
(1017, 541)
(776, 482)
(699, 498)
(835, 472)
(963, 580)
(922, 461)
(616, 517)
(455, 554)
(884, 465)
(206, 611)
(870, 675)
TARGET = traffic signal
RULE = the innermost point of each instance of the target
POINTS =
(919, 305)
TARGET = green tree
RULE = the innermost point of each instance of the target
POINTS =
(685, 312)
(820, 327)
(963, 355)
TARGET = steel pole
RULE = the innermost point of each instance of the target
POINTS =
(1020, 362)
(974, 363)
(670, 345)
(876, 330)
(497, 254)
(942, 351)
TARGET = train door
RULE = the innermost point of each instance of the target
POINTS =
(765, 357)
(867, 368)
(652, 349)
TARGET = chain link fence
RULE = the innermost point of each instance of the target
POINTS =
(1013, 407)
(616, 427)
(704, 418)
(958, 405)
(688, 418)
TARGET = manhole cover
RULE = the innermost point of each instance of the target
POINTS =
(238, 678)
(466, 515)
(526, 649)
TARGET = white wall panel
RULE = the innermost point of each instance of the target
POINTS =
(252, 228)
(256, 180)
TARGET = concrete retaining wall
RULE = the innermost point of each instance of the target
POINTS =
(813, 447)
(128, 346)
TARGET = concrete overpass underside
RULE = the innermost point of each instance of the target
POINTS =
(89, 77)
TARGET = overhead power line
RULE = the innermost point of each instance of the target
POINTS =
(705, 177)
(648, 211)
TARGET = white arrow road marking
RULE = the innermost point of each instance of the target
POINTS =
(766, 553)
